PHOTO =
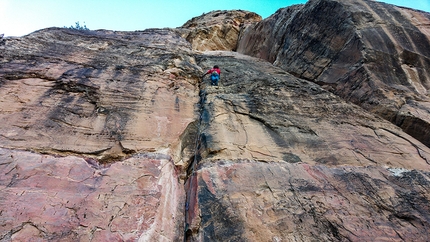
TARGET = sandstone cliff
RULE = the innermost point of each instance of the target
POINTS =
(319, 170)
(217, 30)
(91, 125)
(370, 53)
(113, 136)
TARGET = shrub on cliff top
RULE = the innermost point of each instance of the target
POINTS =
(78, 26)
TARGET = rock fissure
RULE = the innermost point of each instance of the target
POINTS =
(190, 185)
(418, 149)
(367, 157)
(111, 136)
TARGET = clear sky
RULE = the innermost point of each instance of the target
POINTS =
(21, 17)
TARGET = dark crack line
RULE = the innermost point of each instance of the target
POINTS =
(414, 145)
(197, 151)
(366, 157)
(13, 168)
(236, 112)
(268, 186)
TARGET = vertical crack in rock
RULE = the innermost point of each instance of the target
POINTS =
(265, 156)
(190, 183)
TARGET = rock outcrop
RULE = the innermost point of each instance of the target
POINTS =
(113, 136)
(217, 30)
(373, 54)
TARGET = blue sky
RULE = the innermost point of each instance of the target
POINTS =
(21, 17)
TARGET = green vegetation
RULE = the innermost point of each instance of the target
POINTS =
(78, 26)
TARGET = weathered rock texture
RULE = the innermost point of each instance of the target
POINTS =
(110, 94)
(122, 99)
(319, 170)
(370, 53)
(71, 199)
(112, 136)
(217, 30)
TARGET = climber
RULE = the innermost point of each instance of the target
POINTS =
(215, 74)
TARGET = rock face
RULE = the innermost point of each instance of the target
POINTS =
(110, 94)
(112, 136)
(217, 30)
(372, 54)
(108, 114)
(319, 170)
(71, 199)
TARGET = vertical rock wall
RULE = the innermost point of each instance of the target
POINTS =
(320, 169)
(373, 54)
(69, 199)
(94, 127)
(113, 136)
